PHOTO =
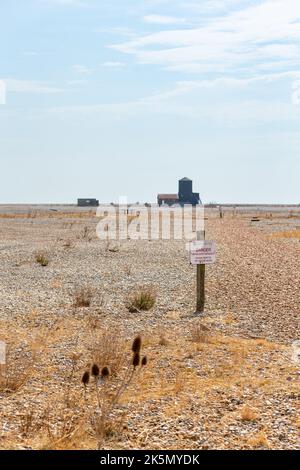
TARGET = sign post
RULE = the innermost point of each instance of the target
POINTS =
(202, 252)
(200, 280)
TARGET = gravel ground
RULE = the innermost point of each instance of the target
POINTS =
(194, 393)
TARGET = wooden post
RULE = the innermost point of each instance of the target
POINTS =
(200, 280)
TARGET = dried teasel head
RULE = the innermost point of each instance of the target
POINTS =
(144, 361)
(105, 373)
(85, 378)
(136, 360)
(95, 370)
(137, 344)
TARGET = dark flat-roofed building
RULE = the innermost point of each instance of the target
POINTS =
(87, 202)
(185, 195)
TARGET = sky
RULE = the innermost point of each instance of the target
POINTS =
(110, 98)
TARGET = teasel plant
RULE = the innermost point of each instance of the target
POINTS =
(108, 393)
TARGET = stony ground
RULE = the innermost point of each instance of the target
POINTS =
(227, 380)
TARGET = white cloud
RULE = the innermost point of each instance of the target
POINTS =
(218, 101)
(162, 19)
(30, 86)
(245, 112)
(265, 35)
(189, 87)
(118, 31)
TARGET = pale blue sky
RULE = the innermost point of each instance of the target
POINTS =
(124, 97)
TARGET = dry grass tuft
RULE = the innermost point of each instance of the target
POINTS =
(65, 433)
(83, 297)
(42, 258)
(86, 234)
(248, 414)
(199, 333)
(163, 341)
(26, 423)
(109, 350)
(258, 440)
(128, 270)
(68, 244)
(19, 367)
(143, 299)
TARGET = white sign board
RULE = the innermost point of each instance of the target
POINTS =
(202, 252)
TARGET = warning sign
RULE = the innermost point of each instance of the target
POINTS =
(202, 252)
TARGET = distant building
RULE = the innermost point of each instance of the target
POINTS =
(169, 199)
(87, 203)
(185, 195)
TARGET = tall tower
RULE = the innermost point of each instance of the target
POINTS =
(185, 191)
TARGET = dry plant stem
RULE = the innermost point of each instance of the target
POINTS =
(84, 394)
(69, 382)
(103, 413)
(124, 385)
(104, 410)
(65, 436)
(98, 394)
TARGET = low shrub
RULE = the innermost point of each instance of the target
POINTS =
(142, 299)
